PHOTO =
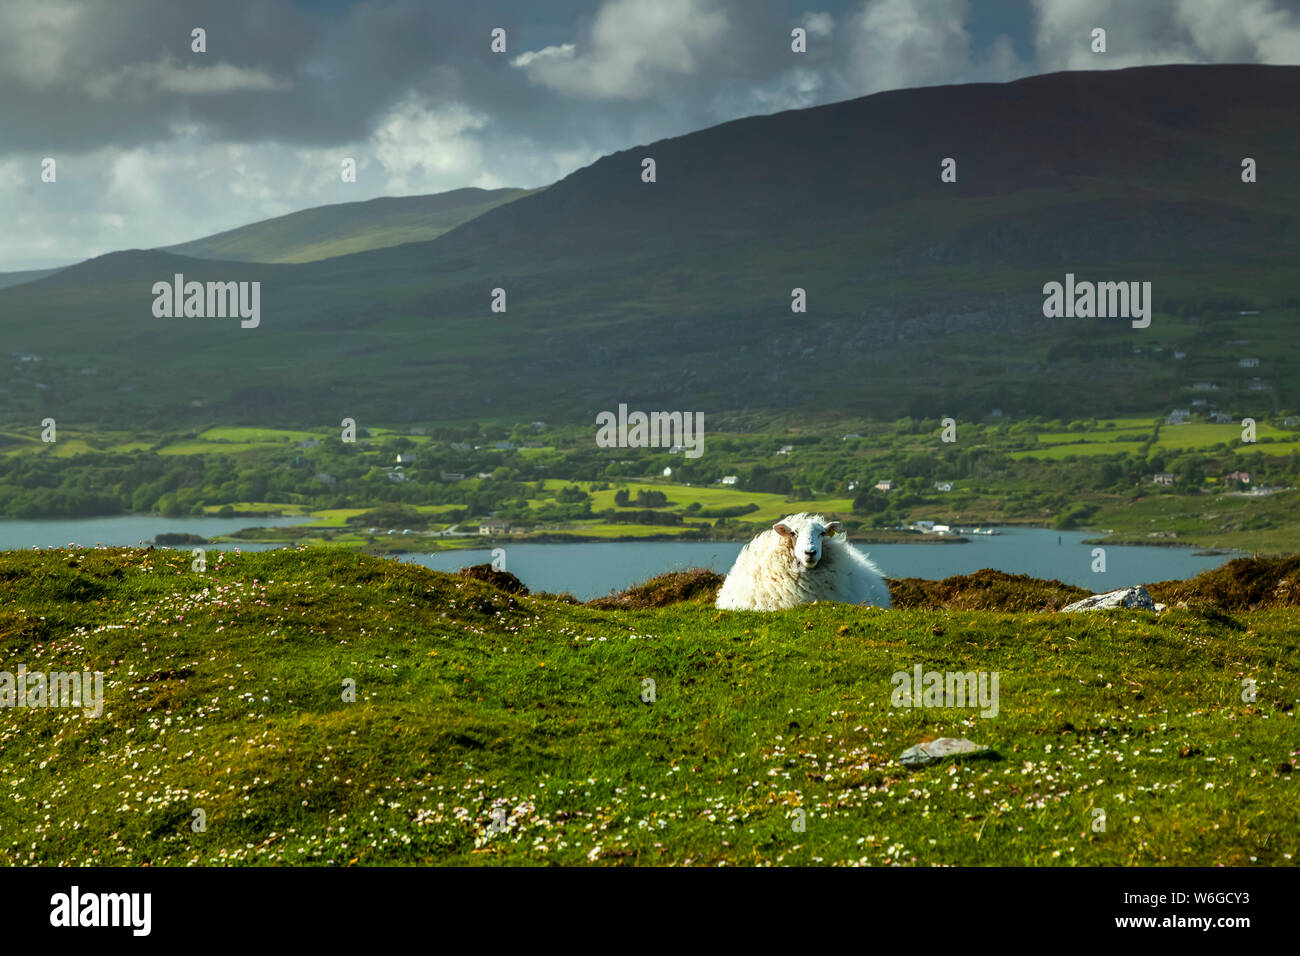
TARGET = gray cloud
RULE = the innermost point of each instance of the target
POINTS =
(156, 144)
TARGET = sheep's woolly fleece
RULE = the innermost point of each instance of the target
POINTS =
(801, 559)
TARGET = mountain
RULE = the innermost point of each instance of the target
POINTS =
(29, 275)
(924, 297)
(343, 228)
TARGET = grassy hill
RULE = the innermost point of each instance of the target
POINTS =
(343, 228)
(924, 297)
(18, 278)
(492, 728)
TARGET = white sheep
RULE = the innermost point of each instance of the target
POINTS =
(801, 559)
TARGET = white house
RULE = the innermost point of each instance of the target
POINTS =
(493, 527)
(405, 459)
(728, 480)
(1248, 363)
(884, 486)
(943, 486)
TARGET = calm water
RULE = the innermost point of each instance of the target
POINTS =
(126, 530)
(590, 570)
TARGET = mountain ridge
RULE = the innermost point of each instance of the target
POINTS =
(924, 297)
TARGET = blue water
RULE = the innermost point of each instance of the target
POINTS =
(591, 569)
(126, 530)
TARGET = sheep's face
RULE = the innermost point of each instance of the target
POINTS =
(805, 541)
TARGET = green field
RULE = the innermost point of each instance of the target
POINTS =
(490, 729)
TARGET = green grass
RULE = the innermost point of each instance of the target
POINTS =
(257, 435)
(224, 693)
(770, 506)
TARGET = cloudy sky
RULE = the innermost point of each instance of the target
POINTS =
(156, 144)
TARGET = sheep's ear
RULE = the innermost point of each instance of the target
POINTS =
(831, 529)
(782, 530)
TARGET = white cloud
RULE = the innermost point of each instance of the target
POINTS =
(165, 76)
(902, 43)
(35, 41)
(1176, 31)
(818, 25)
(632, 46)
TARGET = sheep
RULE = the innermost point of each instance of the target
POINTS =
(801, 559)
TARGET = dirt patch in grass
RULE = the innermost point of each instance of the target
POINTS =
(501, 580)
(694, 585)
(1244, 584)
(985, 590)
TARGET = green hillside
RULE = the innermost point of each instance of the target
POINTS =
(924, 297)
(494, 728)
(338, 230)
(18, 278)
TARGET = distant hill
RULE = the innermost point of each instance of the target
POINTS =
(18, 278)
(336, 230)
(924, 297)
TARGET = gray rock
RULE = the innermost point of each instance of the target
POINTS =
(1123, 598)
(924, 754)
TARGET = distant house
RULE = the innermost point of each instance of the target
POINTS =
(1179, 416)
(942, 529)
(483, 475)
(676, 449)
(884, 486)
(504, 446)
(1165, 478)
(1291, 422)
(1198, 402)
(943, 486)
(785, 449)
(923, 525)
(493, 527)
(728, 480)
(405, 459)
(309, 443)
(1205, 387)
(1257, 385)
(417, 431)
(1221, 418)
(852, 486)
(452, 476)
(323, 478)
(851, 435)
(397, 476)
(1242, 476)
(996, 413)
(459, 446)
(1179, 355)
(668, 472)
(1248, 363)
